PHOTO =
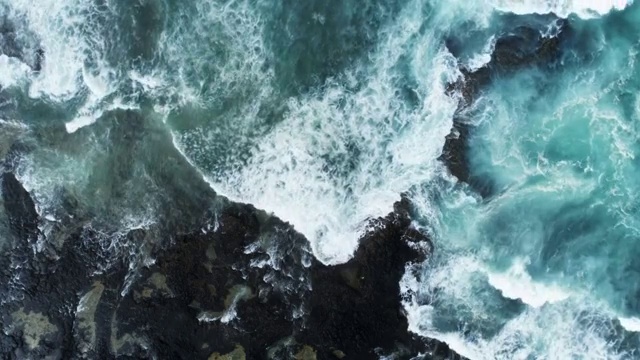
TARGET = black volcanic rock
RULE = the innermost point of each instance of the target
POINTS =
(354, 306)
(525, 46)
(243, 286)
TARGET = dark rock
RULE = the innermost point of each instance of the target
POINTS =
(315, 40)
(454, 152)
(20, 208)
(40, 296)
(39, 60)
(525, 46)
(354, 306)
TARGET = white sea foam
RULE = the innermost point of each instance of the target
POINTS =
(516, 283)
(459, 279)
(562, 8)
(80, 122)
(147, 82)
(451, 300)
(40, 177)
(319, 206)
(72, 36)
(484, 57)
(12, 71)
(455, 301)
(630, 323)
(234, 28)
(64, 46)
(301, 171)
(93, 109)
(575, 328)
(236, 294)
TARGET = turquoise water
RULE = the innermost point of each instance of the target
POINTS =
(324, 113)
(546, 265)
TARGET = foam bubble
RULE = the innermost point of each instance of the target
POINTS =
(98, 84)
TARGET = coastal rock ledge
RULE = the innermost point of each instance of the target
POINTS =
(243, 286)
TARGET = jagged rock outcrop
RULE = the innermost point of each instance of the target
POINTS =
(524, 46)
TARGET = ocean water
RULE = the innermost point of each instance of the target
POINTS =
(324, 112)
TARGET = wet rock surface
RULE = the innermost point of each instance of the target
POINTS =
(243, 286)
(522, 47)
(20, 208)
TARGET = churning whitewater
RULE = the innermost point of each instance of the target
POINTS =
(324, 113)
